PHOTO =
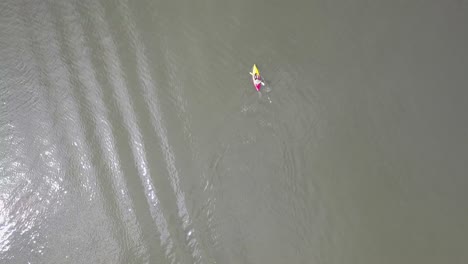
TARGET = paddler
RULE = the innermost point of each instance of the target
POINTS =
(257, 79)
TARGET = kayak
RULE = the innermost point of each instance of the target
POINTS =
(257, 73)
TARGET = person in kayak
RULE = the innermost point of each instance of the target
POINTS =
(258, 80)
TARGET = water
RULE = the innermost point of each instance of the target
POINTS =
(130, 132)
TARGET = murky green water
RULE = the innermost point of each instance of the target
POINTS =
(130, 132)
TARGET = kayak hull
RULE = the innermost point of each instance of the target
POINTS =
(253, 73)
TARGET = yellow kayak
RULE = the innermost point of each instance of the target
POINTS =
(256, 78)
(255, 69)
